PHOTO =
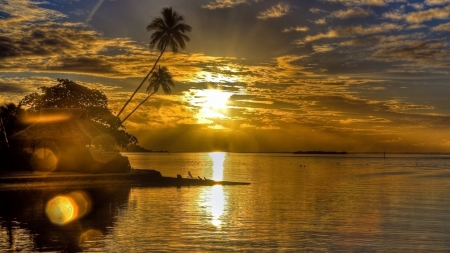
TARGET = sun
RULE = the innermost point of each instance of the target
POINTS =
(216, 99)
(212, 103)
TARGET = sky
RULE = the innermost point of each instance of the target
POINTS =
(256, 75)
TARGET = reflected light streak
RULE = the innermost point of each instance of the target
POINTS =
(63, 209)
(218, 159)
(217, 204)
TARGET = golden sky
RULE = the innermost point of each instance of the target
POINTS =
(353, 75)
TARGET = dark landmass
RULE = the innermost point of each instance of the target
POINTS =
(137, 148)
(135, 177)
(321, 152)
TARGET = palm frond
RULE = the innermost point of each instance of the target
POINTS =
(169, 31)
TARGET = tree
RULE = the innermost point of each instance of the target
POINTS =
(11, 116)
(161, 78)
(68, 94)
(169, 32)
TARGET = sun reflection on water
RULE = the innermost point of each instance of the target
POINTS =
(214, 198)
(217, 204)
(218, 159)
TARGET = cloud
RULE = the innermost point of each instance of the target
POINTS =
(275, 11)
(13, 89)
(322, 48)
(427, 15)
(23, 11)
(222, 4)
(441, 27)
(424, 53)
(316, 10)
(351, 13)
(353, 30)
(436, 2)
(369, 119)
(360, 42)
(417, 6)
(321, 21)
(365, 2)
(296, 29)
(396, 14)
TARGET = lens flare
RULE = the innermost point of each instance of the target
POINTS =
(90, 235)
(44, 160)
(63, 209)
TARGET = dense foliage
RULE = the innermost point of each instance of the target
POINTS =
(68, 94)
(76, 158)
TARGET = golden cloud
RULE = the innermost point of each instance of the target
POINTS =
(296, 29)
(275, 11)
(441, 27)
(364, 2)
(353, 30)
(222, 4)
(436, 2)
(427, 15)
(351, 13)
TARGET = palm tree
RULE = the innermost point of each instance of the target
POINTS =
(169, 32)
(161, 78)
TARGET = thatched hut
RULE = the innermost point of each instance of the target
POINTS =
(64, 139)
(65, 126)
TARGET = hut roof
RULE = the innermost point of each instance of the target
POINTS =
(60, 124)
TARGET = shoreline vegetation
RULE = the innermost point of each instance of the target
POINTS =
(139, 149)
(70, 128)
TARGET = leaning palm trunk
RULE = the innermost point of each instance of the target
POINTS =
(3, 133)
(139, 105)
(169, 32)
(139, 87)
(160, 78)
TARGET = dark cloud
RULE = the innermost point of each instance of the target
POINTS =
(11, 88)
(83, 65)
(431, 52)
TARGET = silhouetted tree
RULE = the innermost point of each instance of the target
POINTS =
(11, 116)
(68, 94)
(161, 78)
(170, 32)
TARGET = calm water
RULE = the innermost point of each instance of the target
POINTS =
(294, 203)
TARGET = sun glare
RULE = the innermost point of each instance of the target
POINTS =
(216, 99)
(212, 103)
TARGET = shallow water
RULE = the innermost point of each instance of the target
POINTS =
(294, 203)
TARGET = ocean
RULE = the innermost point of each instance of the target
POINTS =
(295, 203)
